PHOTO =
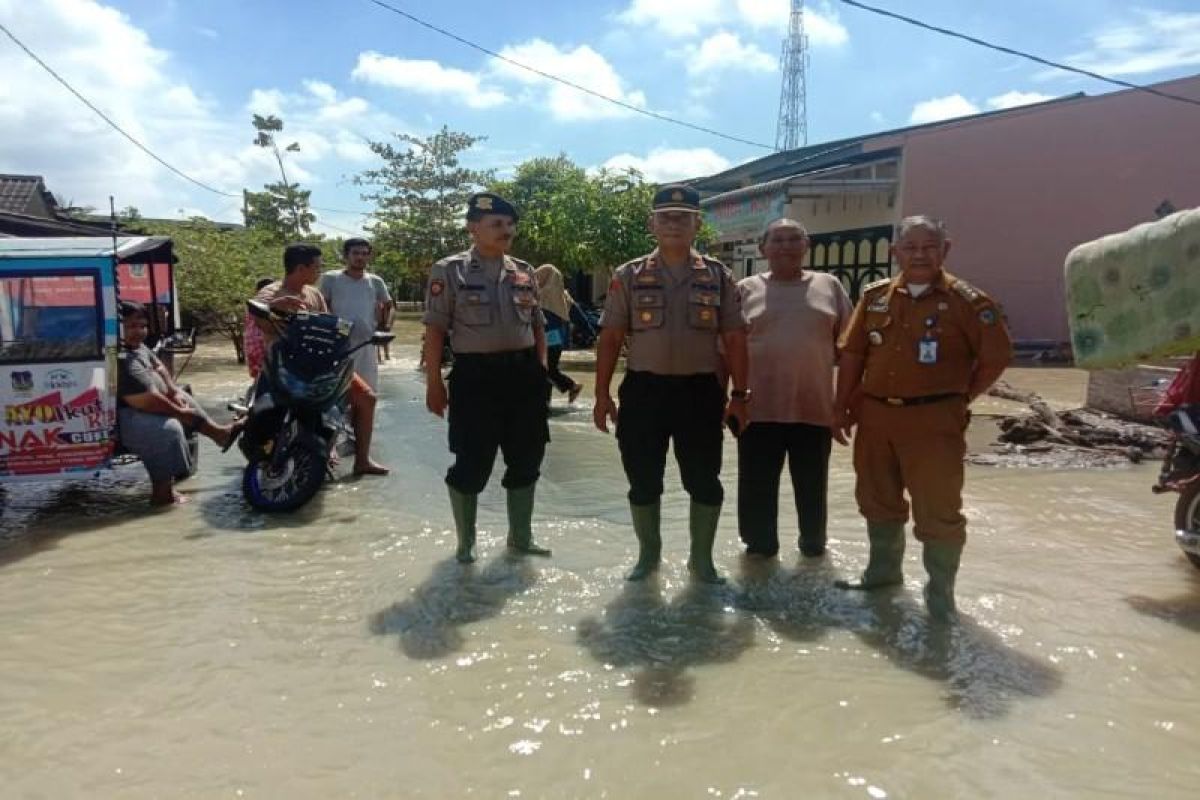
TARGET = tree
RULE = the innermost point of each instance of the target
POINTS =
(283, 208)
(579, 220)
(420, 193)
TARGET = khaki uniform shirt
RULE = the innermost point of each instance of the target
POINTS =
(889, 326)
(311, 297)
(673, 315)
(485, 306)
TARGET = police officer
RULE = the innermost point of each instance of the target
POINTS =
(919, 348)
(674, 305)
(487, 303)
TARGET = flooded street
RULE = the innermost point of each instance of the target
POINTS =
(210, 651)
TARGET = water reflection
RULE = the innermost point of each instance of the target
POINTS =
(661, 640)
(428, 623)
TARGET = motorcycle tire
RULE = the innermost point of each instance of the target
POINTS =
(1187, 515)
(303, 472)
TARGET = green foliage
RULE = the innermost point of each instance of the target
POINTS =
(283, 209)
(420, 193)
(578, 220)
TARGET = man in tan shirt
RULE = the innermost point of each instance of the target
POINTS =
(919, 348)
(795, 318)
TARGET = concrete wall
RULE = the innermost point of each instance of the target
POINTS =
(1019, 190)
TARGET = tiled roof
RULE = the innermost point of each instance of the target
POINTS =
(17, 192)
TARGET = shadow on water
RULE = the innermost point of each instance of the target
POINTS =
(428, 623)
(982, 674)
(661, 640)
(35, 517)
(1182, 609)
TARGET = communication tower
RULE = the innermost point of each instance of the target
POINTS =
(792, 129)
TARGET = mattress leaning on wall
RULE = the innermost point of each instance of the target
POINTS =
(1135, 296)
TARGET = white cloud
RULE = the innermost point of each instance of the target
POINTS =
(1014, 98)
(667, 164)
(582, 66)
(1150, 42)
(725, 51)
(426, 77)
(115, 64)
(940, 108)
(675, 19)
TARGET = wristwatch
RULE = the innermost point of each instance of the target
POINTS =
(741, 394)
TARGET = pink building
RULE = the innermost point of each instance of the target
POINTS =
(1018, 189)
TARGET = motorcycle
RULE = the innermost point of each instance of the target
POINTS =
(297, 417)
(1181, 473)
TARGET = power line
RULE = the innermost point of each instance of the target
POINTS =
(564, 81)
(1020, 54)
(139, 144)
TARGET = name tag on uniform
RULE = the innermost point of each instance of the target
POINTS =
(927, 353)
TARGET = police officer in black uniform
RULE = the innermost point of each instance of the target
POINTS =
(674, 305)
(487, 303)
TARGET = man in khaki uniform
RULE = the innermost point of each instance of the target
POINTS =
(675, 305)
(486, 302)
(919, 348)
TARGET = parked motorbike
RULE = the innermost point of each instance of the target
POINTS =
(297, 418)
(1181, 473)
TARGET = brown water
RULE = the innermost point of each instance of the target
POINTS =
(213, 652)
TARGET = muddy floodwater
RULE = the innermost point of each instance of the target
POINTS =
(211, 651)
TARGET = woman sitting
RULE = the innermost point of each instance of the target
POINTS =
(155, 416)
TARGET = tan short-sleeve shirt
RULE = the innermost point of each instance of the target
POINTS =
(311, 297)
(792, 343)
(487, 306)
(673, 315)
(889, 326)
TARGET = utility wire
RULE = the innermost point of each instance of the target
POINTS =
(139, 144)
(564, 81)
(1020, 54)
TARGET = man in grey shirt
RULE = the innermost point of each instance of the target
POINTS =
(361, 296)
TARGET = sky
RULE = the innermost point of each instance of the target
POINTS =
(184, 77)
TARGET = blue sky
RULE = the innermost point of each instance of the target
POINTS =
(185, 75)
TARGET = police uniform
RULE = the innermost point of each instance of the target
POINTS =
(920, 354)
(674, 316)
(489, 309)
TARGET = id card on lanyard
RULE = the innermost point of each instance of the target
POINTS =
(927, 348)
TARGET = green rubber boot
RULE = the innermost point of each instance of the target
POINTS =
(520, 522)
(702, 524)
(647, 524)
(464, 506)
(885, 564)
(941, 562)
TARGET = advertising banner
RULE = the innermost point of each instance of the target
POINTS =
(57, 419)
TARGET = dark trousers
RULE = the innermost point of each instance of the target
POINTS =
(762, 448)
(497, 402)
(556, 377)
(654, 410)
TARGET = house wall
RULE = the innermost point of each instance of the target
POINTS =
(1019, 190)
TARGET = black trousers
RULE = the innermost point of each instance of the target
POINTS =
(655, 410)
(556, 377)
(497, 401)
(762, 448)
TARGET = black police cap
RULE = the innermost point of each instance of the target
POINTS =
(489, 203)
(677, 197)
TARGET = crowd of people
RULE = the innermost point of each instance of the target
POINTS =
(782, 358)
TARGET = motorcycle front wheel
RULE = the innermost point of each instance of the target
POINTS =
(286, 483)
(1187, 515)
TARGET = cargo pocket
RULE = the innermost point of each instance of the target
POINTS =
(704, 304)
(475, 308)
(525, 302)
(649, 308)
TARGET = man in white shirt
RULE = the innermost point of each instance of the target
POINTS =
(355, 294)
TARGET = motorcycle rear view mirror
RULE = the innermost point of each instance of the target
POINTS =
(258, 309)
(382, 337)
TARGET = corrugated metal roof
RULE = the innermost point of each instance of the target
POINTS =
(18, 191)
(78, 247)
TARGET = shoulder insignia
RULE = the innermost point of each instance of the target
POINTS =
(876, 285)
(971, 294)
